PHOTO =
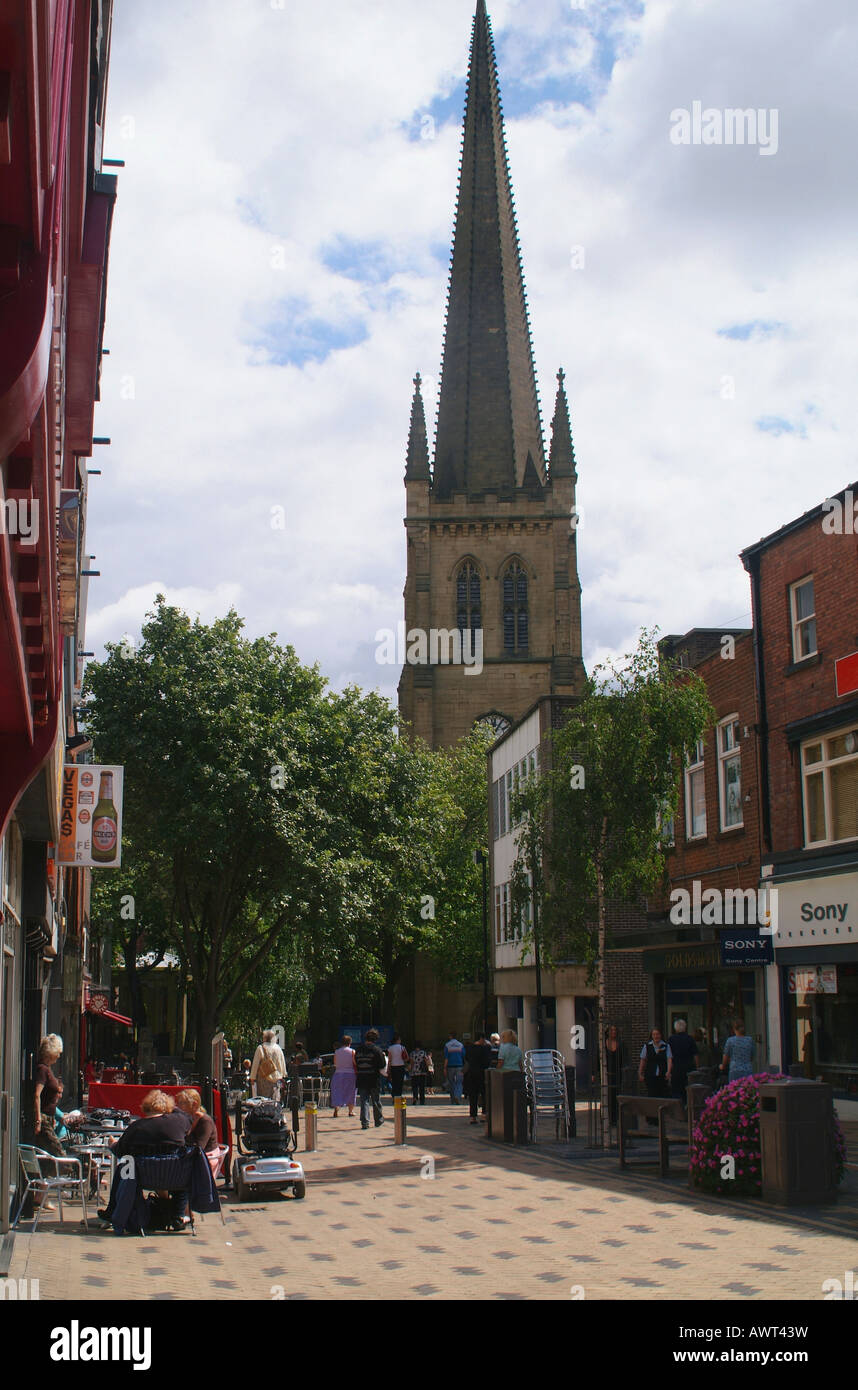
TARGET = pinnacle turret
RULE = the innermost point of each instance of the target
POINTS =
(417, 465)
(561, 458)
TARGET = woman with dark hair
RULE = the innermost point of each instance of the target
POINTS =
(397, 1061)
(614, 1066)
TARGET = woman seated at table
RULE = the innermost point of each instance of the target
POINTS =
(161, 1129)
(202, 1130)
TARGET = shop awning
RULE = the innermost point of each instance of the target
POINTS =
(108, 1013)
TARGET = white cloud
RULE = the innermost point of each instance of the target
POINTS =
(295, 130)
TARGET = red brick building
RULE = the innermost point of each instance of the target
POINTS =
(56, 207)
(804, 580)
(687, 965)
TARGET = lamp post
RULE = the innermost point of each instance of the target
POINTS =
(480, 857)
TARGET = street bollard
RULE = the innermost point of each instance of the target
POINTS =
(400, 1125)
(311, 1110)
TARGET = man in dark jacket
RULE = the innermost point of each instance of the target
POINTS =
(683, 1050)
(370, 1062)
(478, 1056)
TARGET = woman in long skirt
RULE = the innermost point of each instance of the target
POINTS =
(344, 1081)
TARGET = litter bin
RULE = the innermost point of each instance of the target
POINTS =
(797, 1142)
(501, 1100)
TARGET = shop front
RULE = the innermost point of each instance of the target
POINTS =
(709, 985)
(816, 976)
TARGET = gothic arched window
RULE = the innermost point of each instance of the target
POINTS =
(515, 607)
(469, 609)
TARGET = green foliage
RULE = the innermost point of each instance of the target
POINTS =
(593, 819)
(276, 834)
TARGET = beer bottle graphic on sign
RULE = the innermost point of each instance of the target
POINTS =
(105, 823)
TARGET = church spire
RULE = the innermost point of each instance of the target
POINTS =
(561, 459)
(417, 465)
(488, 410)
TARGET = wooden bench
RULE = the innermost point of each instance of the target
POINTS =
(672, 1125)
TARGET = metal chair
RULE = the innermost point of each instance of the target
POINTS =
(545, 1082)
(36, 1181)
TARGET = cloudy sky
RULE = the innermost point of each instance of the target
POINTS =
(278, 272)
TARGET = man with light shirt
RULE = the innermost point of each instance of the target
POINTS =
(454, 1065)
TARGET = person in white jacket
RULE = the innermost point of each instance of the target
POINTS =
(268, 1067)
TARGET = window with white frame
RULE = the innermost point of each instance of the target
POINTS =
(507, 934)
(730, 773)
(502, 792)
(695, 793)
(803, 613)
(498, 937)
(830, 777)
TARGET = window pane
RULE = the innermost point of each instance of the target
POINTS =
(812, 754)
(815, 808)
(807, 638)
(507, 587)
(522, 628)
(508, 629)
(733, 791)
(698, 803)
(844, 801)
(521, 587)
(843, 746)
(804, 599)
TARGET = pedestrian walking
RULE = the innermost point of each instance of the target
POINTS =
(397, 1061)
(344, 1079)
(454, 1067)
(738, 1053)
(421, 1069)
(370, 1062)
(655, 1064)
(494, 1043)
(478, 1057)
(268, 1067)
(683, 1053)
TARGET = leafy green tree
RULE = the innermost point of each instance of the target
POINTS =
(223, 740)
(593, 820)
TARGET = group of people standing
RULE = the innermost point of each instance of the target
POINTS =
(358, 1071)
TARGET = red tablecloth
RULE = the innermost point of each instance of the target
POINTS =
(124, 1097)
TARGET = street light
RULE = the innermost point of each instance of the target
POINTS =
(480, 857)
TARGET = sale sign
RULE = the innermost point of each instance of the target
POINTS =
(91, 816)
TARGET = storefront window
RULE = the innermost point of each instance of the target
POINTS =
(823, 1009)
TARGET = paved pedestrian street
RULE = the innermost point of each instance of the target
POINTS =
(452, 1216)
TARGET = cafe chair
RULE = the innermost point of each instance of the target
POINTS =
(37, 1181)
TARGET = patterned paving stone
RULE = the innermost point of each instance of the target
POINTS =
(504, 1255)
(551, 1277)
(765, 1268)
(640, 1283)
(746, 1290)
(696, 1245)
(467, 1270)
(425, 1290)
(671, 1264)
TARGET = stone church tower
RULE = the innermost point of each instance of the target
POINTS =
(489, 525)
(491, 541)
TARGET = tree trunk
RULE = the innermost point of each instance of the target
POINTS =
(204, 1012)
(132, 977)
(603, 1051)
